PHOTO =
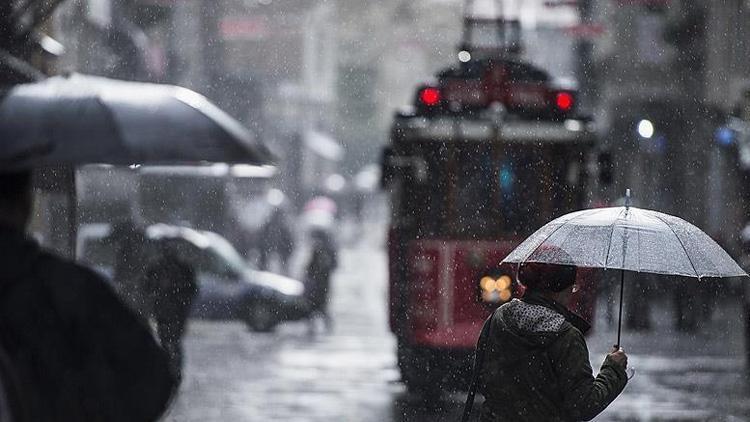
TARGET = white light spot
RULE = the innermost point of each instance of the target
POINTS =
(335, 183)
(275, 197)
(573, 125)
(464, 56)
(646, 129)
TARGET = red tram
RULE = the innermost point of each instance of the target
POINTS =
(488, 154)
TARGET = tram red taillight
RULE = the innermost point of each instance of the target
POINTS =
(564, 101)
(430, 96)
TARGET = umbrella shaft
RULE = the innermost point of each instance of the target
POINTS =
(619, 319)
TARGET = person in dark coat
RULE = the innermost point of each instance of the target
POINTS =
(536, 365)
(323, 262)
(79, 353)
(130, 253)
(12, 406)
(277, 238)
(171, 283)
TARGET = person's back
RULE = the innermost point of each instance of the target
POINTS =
(77, 352)
(130, 252)
(536, 365)
(322, 263)
(75, 346)
(172, 284)
(12, 406)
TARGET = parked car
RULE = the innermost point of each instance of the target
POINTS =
(229, 288)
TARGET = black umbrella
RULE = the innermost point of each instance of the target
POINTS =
(81, 119)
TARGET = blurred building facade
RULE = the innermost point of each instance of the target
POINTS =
(271, 64)
(674, 68)
(335, 70)
(29, 54)
(285, 68)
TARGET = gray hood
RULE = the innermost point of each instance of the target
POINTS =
(518, 328)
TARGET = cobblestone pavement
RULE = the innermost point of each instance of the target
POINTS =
(350, 374)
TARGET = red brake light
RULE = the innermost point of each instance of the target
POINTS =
(564, 101)
(429, 96)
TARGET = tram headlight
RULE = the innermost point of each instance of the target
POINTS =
(496, 290)
(504, 282)
(487, 283)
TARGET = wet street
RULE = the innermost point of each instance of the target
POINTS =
(350, 374)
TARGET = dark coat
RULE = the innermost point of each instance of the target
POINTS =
(536, 367)
(172, 286)
(323, 262)
(79, 353)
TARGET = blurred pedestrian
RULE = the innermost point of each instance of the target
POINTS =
(687, 310)
(79, 354)
(638, 294)
(323, 261)
(607, 289)
(277, 240)
(171, 283)
(130, 243)
(532, 358)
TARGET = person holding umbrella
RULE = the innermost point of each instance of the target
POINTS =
(618, 238)
(78, 352)
(535, 361)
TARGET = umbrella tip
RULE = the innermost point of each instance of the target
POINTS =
(627, 198)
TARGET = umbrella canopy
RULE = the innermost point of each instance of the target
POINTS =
(627, 238)
(81, 119)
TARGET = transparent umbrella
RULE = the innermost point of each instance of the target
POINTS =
(627, 239)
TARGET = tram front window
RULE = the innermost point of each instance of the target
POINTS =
(481, 191)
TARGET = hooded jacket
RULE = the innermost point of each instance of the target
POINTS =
(536, 366)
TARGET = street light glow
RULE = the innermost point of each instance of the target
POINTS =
(464, 56)
(646, 129)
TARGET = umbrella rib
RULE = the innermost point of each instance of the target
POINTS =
(611, 234)
(681, 244)
(553, 232)
(542, 242)
(109, 115)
